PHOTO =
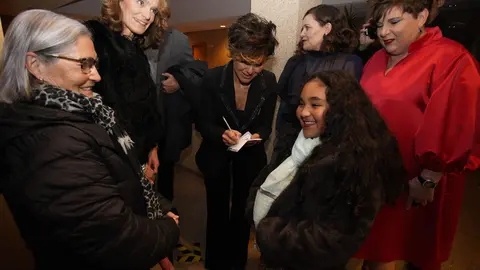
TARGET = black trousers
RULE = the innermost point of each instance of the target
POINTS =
(164, 184)
(165, 177)
(228, 230)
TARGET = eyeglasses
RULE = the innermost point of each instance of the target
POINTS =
(86, 64)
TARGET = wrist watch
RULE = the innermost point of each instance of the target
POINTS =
(426, 183)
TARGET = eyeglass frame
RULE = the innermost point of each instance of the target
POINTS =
(81, 61)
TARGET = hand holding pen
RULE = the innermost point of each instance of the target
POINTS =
(230, 136)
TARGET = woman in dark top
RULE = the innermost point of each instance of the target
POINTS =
(314, 205)
(77, 192)
(243, 94)
(326, 43)
(126, 28)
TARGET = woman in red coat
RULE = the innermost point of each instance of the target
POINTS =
(427, 88)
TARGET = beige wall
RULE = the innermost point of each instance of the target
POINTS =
(216, 42)
(1, 35)
(287, 15)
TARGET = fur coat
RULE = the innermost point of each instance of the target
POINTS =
(127, 87)
(317, 222)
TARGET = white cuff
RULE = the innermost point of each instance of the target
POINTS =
(431, 175)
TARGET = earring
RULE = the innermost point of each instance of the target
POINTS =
(324, 36)
(420, 30)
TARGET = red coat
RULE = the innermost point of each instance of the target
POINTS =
(431, 102)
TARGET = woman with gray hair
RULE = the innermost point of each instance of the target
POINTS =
(69, 174)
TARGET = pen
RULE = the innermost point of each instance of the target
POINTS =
(225, 120)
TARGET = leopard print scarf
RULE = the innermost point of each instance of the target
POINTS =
(103, 115)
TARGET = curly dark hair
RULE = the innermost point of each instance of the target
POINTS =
(342, 38)
(111, 15)
(414, 7)
(357, 136)
(252, 36)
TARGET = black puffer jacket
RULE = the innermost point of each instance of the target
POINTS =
(75, 196)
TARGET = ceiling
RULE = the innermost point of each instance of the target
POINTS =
(187, 15)
(13, 7)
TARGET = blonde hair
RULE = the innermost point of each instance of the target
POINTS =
(111, 15)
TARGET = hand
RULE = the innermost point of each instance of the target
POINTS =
(173, 216)
(170, 84)
(418, 193)
(151, 169)
(166, 264)
(231, 137)
(254, 136)
(150, 174)
(365, 40)
(433, 176)
(153, 161)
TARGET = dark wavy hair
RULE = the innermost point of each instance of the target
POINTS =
(111, 15)
(252, 36)
(355, 134)
(342, 38)
(414, 7)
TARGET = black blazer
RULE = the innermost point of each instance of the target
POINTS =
(218, 100)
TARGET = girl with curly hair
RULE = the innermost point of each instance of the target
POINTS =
(314, 205)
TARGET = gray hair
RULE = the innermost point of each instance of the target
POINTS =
(42, 32)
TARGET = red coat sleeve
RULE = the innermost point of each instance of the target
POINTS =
(448, 140)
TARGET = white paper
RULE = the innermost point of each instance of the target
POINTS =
(241, 142)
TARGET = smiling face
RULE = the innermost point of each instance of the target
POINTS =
(68, 74)
(312, 33)
(246, 69)
(137, 15)
(312, 108)
(397, 30)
